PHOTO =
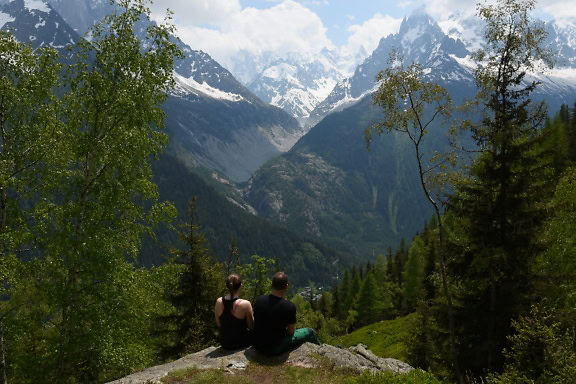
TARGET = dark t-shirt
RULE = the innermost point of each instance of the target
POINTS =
(272, 314)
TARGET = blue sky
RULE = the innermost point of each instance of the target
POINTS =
(338, 15)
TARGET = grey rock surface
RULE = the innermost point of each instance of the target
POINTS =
(307, 356)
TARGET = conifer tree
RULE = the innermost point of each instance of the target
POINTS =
(496, 208)
(572, 135)
(370, 304)
(355, 287)
(192, 323)
(344, 294)
(414, 274)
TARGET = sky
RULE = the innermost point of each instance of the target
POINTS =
(223, 28)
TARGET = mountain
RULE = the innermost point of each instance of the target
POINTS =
(444, 49)
(223, 219)
(328, 185)
(212, 119)
(297, 84)
(37, 23)
(207, 104)
(419, 40)
(562, 41)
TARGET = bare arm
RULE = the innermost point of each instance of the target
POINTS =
(249, 315)
(218, 311)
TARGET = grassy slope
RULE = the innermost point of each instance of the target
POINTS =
(284, 374)
(385, 339)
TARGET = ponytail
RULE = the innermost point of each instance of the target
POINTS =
(233, 283)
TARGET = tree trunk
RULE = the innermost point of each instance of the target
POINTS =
(3, 376)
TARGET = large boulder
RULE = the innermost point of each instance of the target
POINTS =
(308, 356)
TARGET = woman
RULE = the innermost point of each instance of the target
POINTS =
(234, 316)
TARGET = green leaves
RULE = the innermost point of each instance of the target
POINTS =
(410, 104)
(76, 194)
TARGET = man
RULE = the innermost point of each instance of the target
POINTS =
(275, 321)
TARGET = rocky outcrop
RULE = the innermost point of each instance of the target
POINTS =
(307, 356)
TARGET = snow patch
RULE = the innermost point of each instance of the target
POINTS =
(37, 5)
(412, 34)
(279, 71)
(5, 18)
(190, 85)
(40, 24)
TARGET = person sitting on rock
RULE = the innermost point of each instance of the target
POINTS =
(275, 321)
(234, 316)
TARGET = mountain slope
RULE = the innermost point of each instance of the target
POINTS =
(331, 187)
(222, 220)
(215, 121)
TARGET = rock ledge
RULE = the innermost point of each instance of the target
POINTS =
(307, 356)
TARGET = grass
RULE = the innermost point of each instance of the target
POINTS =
(260, 374)
(284, 374)
(385, 338)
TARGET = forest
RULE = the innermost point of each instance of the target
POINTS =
(487, 289)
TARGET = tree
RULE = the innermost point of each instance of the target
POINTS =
(88, 313)
(556, 143)
(371, 301)
(29, 134)
(256, 276)
(199, 284)
(496, 208)
(344, 294)
(555, 266)
(540, 351)
(414, 273)
(412, 107)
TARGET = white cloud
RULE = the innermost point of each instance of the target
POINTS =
(286, 27)
(369, 33)
(441, 9)
(559, 9)
(198, 12)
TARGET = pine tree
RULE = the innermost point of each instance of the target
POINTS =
(369, 303)
(571, 131)
(496, 208)
(345, 295)
(555, 142)
(414, 274)
(200, 282)
(355, 287)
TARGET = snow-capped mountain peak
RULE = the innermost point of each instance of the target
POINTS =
(298, 83)
(420, 40)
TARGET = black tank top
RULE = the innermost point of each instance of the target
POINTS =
(234, 332)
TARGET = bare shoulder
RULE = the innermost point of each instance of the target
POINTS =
(219, 301)
(245, 304)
